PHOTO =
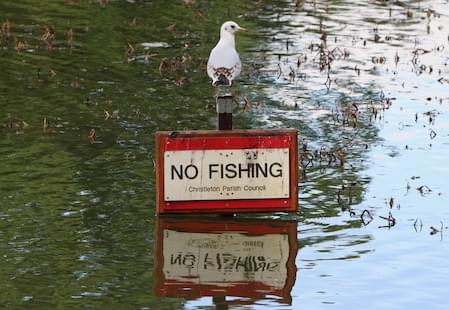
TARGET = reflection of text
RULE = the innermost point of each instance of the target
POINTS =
(227, 257)
(226, 262)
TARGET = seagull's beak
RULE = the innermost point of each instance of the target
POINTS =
(242, 29)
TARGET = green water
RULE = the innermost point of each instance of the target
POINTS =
(77, 216)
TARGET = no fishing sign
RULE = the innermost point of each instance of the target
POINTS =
(226, 171)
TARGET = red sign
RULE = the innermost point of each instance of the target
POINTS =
(227, 171)
(225, 257)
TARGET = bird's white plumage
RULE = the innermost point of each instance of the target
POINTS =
(224, 63)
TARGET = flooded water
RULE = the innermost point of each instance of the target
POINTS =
(86, 84)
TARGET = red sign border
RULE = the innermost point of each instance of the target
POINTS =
(213, 139)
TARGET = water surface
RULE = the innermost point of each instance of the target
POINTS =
(86, 84)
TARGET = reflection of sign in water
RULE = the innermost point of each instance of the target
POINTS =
(225, 257)
(227, 171)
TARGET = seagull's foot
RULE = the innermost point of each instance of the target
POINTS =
(221, 91)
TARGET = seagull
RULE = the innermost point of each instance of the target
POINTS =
(224, 63)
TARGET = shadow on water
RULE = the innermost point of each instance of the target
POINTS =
(85, 84)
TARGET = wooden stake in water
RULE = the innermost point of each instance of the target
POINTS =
(224, 112)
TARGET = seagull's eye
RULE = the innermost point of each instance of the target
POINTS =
(232, 26)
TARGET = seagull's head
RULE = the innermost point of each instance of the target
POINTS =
(230, 28)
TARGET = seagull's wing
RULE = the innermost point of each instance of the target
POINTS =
(223, 61)
(237, 68)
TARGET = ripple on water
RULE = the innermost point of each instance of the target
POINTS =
(65, 195)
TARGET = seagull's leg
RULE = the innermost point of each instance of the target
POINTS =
(223, 91)
(217, 92)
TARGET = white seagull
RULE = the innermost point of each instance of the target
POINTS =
(224, 63)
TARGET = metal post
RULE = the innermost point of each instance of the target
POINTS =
(220, 302)
(224, 112)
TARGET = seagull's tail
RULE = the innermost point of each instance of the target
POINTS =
(222, 80)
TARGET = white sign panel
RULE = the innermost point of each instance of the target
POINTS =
(226, 174)
(226, 258)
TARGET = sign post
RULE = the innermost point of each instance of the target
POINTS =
(224, 112)
(227, 171)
